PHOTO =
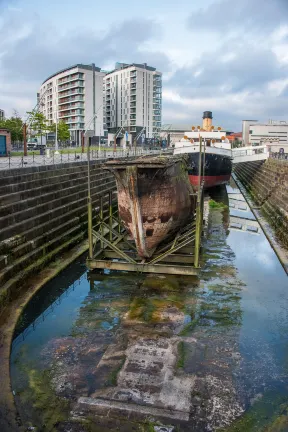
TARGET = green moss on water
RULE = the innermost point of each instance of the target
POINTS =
(189, 328)
(181, 355)
(49, 408)
(269, 414)
(112, 378)
(217, 205)
(161, 284)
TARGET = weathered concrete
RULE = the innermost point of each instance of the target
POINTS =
(43, 213)
(267, 183)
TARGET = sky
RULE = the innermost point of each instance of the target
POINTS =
(229, 57)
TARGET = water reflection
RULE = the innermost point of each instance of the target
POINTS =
(201, 350)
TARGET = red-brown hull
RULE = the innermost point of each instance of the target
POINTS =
(209, 181)
(154, 199)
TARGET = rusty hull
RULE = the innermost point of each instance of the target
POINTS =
(155, 198)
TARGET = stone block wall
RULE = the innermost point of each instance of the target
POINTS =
(268, 184)
(43, 213)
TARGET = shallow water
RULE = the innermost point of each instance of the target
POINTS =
(223, 338)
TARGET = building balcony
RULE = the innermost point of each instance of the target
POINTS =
(79, 92)
(70, 78)
(70, 86)
(132, 116)
(71, 99)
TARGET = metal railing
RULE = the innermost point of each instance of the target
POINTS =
(52, 158)
(279, 156)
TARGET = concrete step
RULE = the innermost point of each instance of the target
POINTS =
(12, 287)
(47, 180)
(24, 261)
(41, 229)
(49, 204)
(19, 175)
(47, 236)
(27, 203)
(20, 227)
(38, 191)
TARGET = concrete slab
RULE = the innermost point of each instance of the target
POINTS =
(236, 225)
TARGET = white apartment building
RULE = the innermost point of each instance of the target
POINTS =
(68, 95)
(2, 114)
(255, 133)
(133, 101)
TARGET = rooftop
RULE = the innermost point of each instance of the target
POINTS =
(119, 66)
(79, 65)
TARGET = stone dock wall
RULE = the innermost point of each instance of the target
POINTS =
(267, 182)
(43, 213)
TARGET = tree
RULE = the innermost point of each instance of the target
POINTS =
(15, 126)
(63, 133)
(38, 124)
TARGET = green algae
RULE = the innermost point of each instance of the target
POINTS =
(269, 414)
(112, 378)
(49, 408)
(161, 284)
(189, 328)
(217, 205)
(181, 355)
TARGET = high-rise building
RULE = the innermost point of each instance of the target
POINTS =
(68, 95)
(133, 101)
(2, 114)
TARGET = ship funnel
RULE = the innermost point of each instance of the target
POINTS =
(207, 120)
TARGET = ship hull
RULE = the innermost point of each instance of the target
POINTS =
(216, 168)
(155, 199)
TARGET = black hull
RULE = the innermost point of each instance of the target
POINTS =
(216, 169)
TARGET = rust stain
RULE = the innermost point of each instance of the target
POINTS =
(154, 201)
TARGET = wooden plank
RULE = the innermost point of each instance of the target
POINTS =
(175, 258)
(143, 268)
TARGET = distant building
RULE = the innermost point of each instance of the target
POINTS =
(68, 95)
(255, 133)
(133, 102)
(2, 114)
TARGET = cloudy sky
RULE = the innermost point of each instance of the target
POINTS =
(227, 56)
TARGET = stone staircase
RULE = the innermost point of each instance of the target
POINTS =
(268, 184)
(43, 213)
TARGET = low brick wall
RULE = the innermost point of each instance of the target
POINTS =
(43, 213)
(267, 182)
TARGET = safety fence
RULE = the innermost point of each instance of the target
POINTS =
(61, 157)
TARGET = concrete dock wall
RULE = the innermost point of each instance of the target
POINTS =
(267, 182)
(43, 213)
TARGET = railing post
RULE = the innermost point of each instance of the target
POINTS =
(110, 216)
(199, 216)
(101, 220)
